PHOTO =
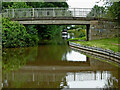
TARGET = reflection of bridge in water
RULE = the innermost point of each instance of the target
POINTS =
(64, 75)
(57, 79)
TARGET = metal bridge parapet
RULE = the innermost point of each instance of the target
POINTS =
(48, 12)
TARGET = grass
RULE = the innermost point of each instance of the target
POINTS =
(77, 39)
(111, 43)
(71, 31)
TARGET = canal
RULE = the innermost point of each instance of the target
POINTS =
(56, 66)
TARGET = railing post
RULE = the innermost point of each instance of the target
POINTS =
(53, 12)
(95, 13)
(13, 14)
(74, 12)
(33, 12)
(7, 12)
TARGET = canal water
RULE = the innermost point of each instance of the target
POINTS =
(56, 66)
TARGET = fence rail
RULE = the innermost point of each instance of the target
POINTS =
(50, 12)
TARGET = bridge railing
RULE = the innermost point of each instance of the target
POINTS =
(49, 12)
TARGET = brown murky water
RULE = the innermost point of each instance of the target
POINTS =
(56, 66)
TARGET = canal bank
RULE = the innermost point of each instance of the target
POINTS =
(109, 54)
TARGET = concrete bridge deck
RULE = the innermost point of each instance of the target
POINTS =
(57, 20)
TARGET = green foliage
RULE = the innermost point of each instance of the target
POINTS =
(19, 5)
(14, 58)
(97, 11)
(33, 33)
(78, 32)
(71, 31)
(114, 10)
(49, 31)
(82, 34)
(5, 5)
(15, 35)
(47, 4)
(77, 39)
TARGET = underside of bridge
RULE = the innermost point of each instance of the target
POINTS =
(60, 21)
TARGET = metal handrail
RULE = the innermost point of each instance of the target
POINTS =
(49, 12)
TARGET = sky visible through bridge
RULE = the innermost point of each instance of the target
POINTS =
(84, 3)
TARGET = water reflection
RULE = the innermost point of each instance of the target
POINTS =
(55, 66)
(39, 79)
(75, 56)
(71, 35)
(89, 79)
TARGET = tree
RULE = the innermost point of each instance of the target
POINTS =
(16, 35)
(97, 11)
(114, 10)
(47, 4)
(6, 5)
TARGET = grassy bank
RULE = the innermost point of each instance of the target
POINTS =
(111, 43)
(71, 31)
(77, 39)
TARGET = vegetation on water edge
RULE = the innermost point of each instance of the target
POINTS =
(16, 35)
(109, 43)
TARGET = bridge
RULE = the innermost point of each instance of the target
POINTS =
(52, 15)
(98, 26)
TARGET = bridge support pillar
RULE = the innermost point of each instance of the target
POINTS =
(88, 32)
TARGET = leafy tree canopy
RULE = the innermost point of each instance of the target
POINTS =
(47, 4)
(20, 5)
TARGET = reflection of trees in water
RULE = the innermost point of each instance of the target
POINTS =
(14, 58)
(113, 81)
(33, 79)
(52, 53)
(64, 84)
